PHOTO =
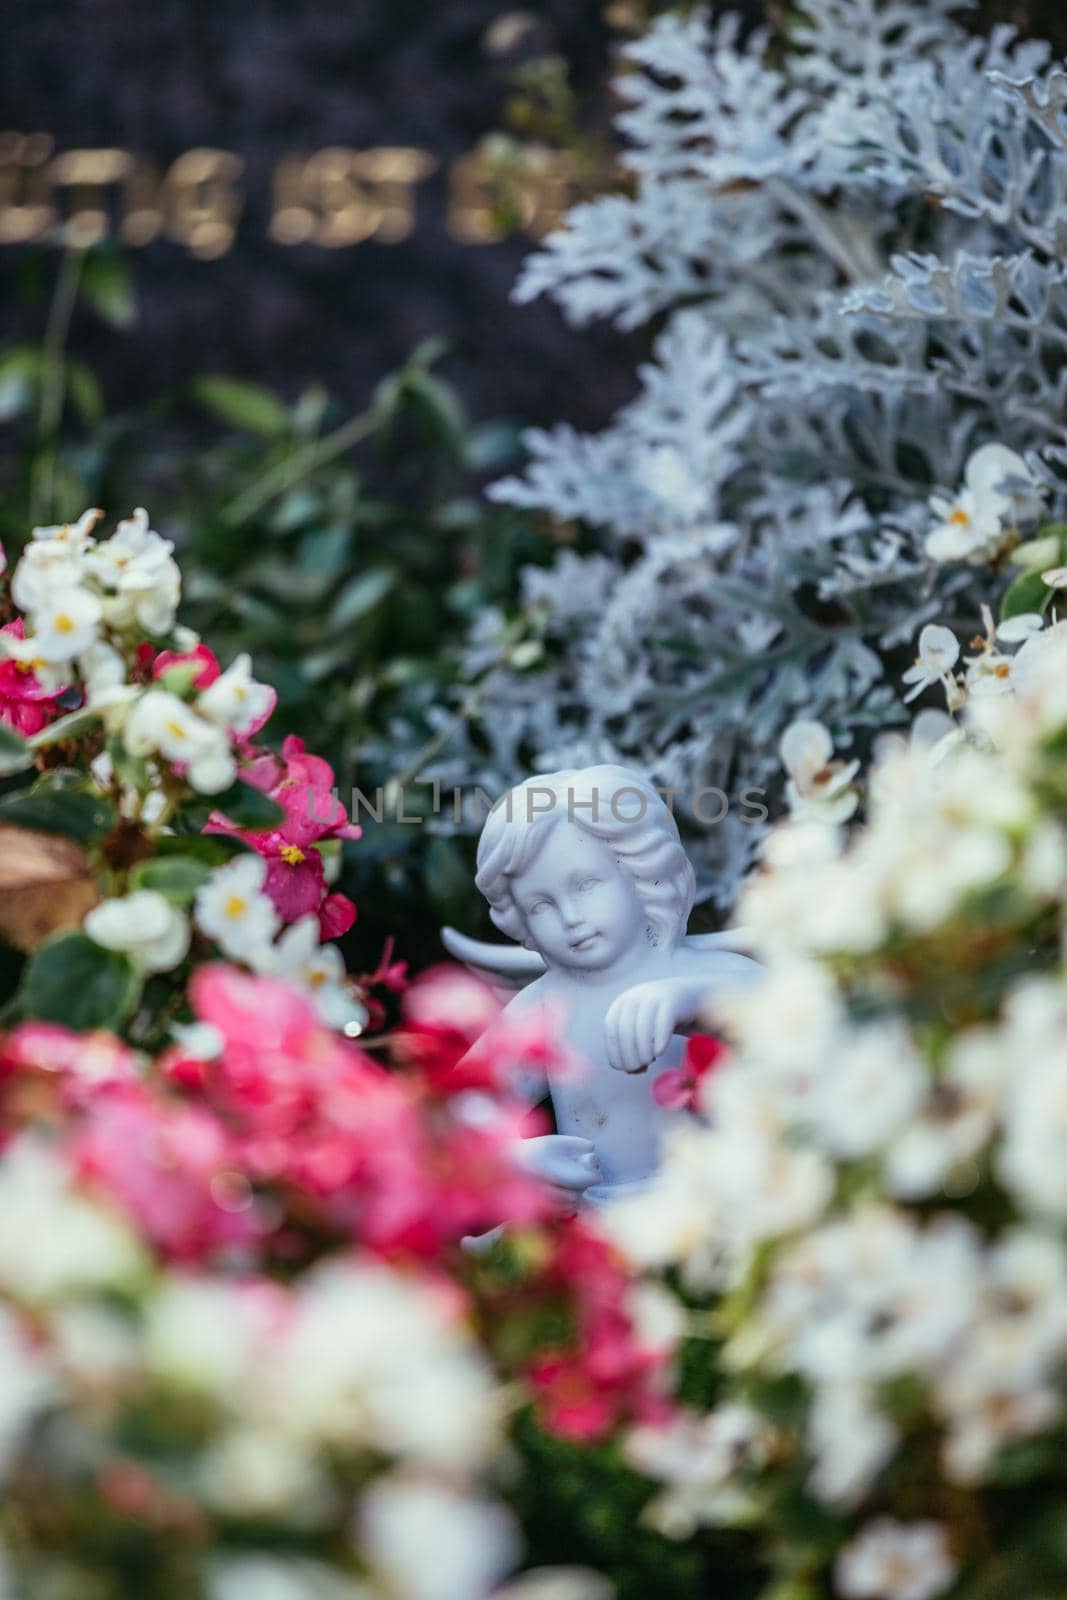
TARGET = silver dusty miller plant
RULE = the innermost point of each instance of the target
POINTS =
(852, 259)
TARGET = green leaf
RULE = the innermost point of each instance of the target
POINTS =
(248, 807)
(74, 981)
(131, 769)
(72, 726)
(107, 284)
(440, 405)
(360, 596)
(210, 849)
(20, 376)
(15, 753)
(51, 808)
(176, 878)
(1028, 592)
(85, 393)
(243, 405)
(427, 352)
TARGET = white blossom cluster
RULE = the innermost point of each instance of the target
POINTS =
(850, 251)
(359, 1385)
(877, 1192)
(85, 602)
(89, 605)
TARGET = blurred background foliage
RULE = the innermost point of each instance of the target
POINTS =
(345, 553)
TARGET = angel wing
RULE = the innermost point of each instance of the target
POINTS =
(504, 966)
(512, 966)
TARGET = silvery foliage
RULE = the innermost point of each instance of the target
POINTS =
(854, 256)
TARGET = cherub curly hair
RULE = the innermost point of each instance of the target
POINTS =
(641, 832)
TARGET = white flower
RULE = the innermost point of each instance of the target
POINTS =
(869, 1296)
(263, 1575)
(891, 1560)
(698, 1458)
(56, 1242)
(143, 925)
(1055, 577)
(65, 624)
(871, 1083)
(1002, 1383)
(256, 1472)
(939, 651)
(1021, 627)
(94, 1344)
(999, 490)
(811, 898)
(235, 700)
(232, 909)
(819, 787)
(317, 969)
(140, 577)
(370, 1359)
(850, 1441)
(52, 560)
(162, 723)
(957, 1120)
(430, 1541)
(206, 1335)
(102, 668)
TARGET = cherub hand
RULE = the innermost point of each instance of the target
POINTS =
(639, 1025)
(568, 1164)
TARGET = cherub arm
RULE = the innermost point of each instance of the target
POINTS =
(640, 1023)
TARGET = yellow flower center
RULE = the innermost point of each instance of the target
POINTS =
(960, 517)
(175, 729)
(236, 906)
(64, 623)
(292, 854)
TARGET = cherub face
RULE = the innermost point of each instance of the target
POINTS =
(580, 906)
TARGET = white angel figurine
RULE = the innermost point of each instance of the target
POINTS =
(586, 870)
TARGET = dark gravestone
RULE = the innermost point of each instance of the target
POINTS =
(269, 81)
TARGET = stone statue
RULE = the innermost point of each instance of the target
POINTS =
(585, 869)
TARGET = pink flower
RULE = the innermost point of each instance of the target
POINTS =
(83, 1062)
(383, 1161)
(25, 704)
(337, 913)
(678, 1088)
(200, 656)
(296, 875)
(173, 1169)
(607, 1376)
(460, 1039)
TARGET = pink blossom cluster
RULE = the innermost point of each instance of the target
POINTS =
(288, 1137)
(302, 785)
(608, 1374)
(290, 1142)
